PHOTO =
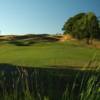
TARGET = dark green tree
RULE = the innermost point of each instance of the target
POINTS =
(83, 26)
(99, 22)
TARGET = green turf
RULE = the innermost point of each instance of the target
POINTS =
(48, 54)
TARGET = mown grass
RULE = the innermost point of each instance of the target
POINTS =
(47, 54)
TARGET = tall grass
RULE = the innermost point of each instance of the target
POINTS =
(89, 88)
(86, 86)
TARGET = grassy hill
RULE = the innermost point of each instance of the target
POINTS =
(45, 51)
(33, 77)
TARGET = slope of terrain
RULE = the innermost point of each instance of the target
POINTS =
(46, 51)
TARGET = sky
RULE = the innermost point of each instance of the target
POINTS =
(41, 16)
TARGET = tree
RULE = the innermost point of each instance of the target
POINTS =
(83, 26)
(99, 21)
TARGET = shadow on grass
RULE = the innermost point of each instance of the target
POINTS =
(50, 82)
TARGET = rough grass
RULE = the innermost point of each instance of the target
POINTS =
(18, 83)
(48, 54)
